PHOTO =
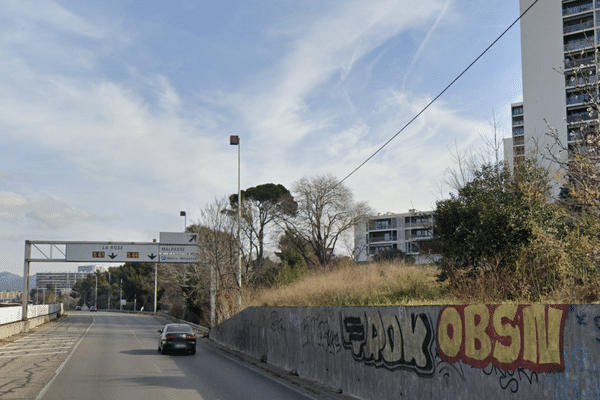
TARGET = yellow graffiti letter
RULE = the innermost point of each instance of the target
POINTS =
(450, 346)
(476, 332)
(542, 340)
(510, 353)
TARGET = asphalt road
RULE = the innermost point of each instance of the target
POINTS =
(114, 356)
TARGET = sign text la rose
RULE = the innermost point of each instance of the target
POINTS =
(508, 336)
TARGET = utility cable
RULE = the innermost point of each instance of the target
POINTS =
(440, 94)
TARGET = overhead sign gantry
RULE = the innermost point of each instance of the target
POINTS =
(174, 247)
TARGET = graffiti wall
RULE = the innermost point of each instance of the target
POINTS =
(459, 351)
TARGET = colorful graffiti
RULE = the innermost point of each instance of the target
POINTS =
(508, 336)
(390, 340)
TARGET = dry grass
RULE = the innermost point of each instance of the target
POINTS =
(359, 285)
(401, 284)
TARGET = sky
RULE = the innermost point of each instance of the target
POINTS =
(115, 115)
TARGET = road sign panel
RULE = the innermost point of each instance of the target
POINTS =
(112, 252)
(178, 258)
(175, 248)
(178, 238)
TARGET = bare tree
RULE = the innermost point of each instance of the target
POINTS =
(469, 161)
(218, 248)
(326, 210)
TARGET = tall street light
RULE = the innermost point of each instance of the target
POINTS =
(234, 140)
(108, 306)
(182, 214)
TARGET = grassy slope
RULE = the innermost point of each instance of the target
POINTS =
(360, 285)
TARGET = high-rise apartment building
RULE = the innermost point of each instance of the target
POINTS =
(558, 52)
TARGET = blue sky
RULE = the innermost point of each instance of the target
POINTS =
(116, 115)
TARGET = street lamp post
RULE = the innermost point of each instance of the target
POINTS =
(96, 291)
(235, 141)
(182, 214)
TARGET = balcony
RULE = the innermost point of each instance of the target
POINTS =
(389, 223)
(417, 220)
(420, 234)
(580, 80)
(578, 62)
(519, 150)
(578, 44)
(577, 8)
(517, 111)
(379, 239)
(578, 98)
(519, 131)
(582, 116)
(588, 24)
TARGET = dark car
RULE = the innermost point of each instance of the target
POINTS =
(78, 308)
(177, 337)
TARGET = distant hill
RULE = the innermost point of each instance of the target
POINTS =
(14, 283)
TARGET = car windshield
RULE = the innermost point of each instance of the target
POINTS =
(179, 328)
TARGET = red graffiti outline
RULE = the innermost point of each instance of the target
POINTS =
(505, 340)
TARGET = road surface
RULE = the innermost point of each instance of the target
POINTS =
(114, 356)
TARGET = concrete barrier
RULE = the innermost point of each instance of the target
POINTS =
(455, 352)
(10, 318)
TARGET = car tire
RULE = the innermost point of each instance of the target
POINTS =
(159, 350)
(163, 350)
(193, 350)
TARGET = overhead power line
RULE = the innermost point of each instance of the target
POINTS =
(440, 94)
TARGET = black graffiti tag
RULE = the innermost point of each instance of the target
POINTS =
(385, 339)
(316, 332)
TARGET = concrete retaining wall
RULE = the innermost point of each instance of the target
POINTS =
(454, 352)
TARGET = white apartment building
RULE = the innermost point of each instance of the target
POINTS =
(64, 281)
(556, 37)
(411, 233)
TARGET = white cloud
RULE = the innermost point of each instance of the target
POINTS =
(46, 212)
(332, 43)
(29, 13)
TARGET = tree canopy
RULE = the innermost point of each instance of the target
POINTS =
(326, 211)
